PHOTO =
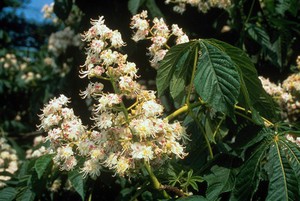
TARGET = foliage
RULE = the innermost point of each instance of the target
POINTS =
(240, 147)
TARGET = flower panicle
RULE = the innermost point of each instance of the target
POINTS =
(159, 34)
(123, 135)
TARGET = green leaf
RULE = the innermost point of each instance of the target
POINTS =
(134, 5)
(26, 195)
(248, 177)
(77, 182)
(41, 164)
(284, 175)
(217, 80)
(220, 180)
(153, 9)
(252, 95)
(175, 60)
(182, 75)
(291, 6)
(8, 194)
(259, 35)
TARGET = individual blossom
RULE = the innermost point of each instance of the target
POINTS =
(92, 168)
(92, 90)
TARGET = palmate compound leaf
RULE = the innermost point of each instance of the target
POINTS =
(252, 95)
(216, 80)
(248, 178)
(283, 168)
(285, 172)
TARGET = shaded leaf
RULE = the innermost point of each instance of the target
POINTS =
(284, 180)
(134, 5)
(62, 8)
(175, 59)
(42, 163)
(220, 180)
(26, 195)
(153, 9)
(181, 75)
(77, 182)
(8, 194)
(248, 177)
(259, 35)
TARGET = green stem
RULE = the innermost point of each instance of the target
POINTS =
(154, 180)
(182, 110)
(218, 127)
(266, 121)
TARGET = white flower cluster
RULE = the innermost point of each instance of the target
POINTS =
(48, 12)
(159, 34)
(287, 95)
(16, 67)
(8, 161)
(65, 130)
(202, 5)
(61, 40)
(37, 149)
(123, 137)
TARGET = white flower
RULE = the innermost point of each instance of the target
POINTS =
(116, 39)
(122, 165)
(176, 30)
(158, 40)
(111, 160)
(109, 57)
(182, 39)
(140, 151)
(50, 120)
(140, 35)
(160, 27)
(142, 128)
(67, 113)
(92, 88)
(65, 152)
(158, 56)
(97, 45)
(84, 146)
(104, 120)
(97, 154)
(129, 69)
(92, 168)
(69, 164)
(151, 108)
